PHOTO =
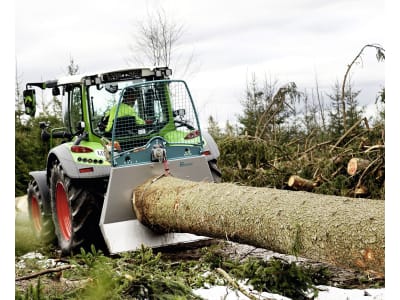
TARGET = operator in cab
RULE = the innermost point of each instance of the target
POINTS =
(126, 108)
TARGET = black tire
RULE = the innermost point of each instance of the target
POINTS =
(76, 210)
(41, 221)
(215, 171)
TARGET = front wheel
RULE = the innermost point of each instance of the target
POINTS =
(76, 212)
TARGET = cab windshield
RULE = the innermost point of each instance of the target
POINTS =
(150, 105)
(132, 113)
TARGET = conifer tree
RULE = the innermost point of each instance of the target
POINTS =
(213, 128)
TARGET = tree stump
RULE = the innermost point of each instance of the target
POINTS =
(355, 165)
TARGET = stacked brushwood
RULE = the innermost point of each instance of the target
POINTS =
(351, 165)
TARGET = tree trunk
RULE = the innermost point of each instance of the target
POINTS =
(342, 231)
(355, 165)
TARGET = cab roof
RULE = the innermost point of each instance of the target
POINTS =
(107, 76)
(116, 75)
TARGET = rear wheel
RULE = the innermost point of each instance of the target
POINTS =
(76, 209)
(215, 171)
(41, 221)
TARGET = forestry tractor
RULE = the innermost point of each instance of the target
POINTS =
(122, 128)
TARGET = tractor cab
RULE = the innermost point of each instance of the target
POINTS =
(126, 109)
(130, 114)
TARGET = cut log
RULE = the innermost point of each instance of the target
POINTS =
(360, 190)
(342, 231)
(355, 165)
(301, 184)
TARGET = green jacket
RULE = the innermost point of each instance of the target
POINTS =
(124, 110)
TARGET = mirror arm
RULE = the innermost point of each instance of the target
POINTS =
(42, 85)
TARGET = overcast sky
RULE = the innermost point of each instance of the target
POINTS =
(284, 40)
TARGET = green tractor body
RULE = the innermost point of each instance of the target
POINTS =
(121, 129)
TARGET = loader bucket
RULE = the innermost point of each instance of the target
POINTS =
(120, 228)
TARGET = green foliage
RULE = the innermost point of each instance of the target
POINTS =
(266, 109)
(143, 274)
(105, 283)
(136, 275)
(90, 258)
(158, 287)
(281, 277)
(251, 161)
(30, 150)
(256, 162)
(32, 293)
(253, 105)
(25, 241)
(213, 257)
(213, 128)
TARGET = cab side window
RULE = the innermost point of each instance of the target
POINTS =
(75, 108)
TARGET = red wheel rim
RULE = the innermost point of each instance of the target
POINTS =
(63, 212)
(35, 214)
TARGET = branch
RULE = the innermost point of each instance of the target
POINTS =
(316, 146)
(370, 148)
(347, 133)
(52, 270)
(235, 285)
(366, 169)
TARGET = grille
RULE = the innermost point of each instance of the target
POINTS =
(159, 108)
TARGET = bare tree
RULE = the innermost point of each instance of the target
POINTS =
(72, 68)
(320, 104)
(156, 42)
(54, 106)
(380, 56)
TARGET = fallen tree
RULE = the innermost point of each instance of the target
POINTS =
(342, 231)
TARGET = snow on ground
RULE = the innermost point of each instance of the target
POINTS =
(328, 293)
(226, 293)
(333, 293)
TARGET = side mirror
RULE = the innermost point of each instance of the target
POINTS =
(80, 126)
(55, 91)
(30, 102)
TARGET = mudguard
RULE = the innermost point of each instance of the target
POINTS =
(41, 179)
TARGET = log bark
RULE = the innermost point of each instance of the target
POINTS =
(341, 231)
(301, 184)
(355, 165)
